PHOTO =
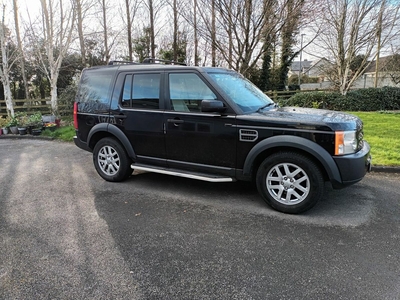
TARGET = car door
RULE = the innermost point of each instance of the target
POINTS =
(196, 140)
(139, 115)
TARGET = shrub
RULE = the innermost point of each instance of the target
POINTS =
(66, 100)
(326, 100)
(371, 99)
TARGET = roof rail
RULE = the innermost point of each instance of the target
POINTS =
(155, 60)
(122, 62)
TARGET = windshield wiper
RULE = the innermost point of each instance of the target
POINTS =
(265, 106)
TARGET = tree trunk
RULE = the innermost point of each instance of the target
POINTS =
(152, 31)
(21, 50)
(80, 31)
(7, 93)
(105, 33)
(5, 69)
(59, 40)
(129, 29)
(213, 36)
(196, 40)
(175, 45)
(54, 94)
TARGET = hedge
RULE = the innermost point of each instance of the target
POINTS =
(371, 99)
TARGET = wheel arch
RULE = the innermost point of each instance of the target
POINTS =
(292, 143)
(103, 130)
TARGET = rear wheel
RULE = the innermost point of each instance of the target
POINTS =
(111, 161)
(290, 182)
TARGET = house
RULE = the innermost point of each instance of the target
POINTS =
(310, 68)
(388, 73)
(297, 65)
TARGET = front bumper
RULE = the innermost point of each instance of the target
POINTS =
(353, 167)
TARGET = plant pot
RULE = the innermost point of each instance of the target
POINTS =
(36, 132)
(1, 131)
(29, 129)
(14, 130)
(22, 130)
(5, 130)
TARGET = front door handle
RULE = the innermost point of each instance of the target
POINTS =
(176, 121)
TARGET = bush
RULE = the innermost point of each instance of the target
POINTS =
(371, 99)
(66, 100)
(326, 100)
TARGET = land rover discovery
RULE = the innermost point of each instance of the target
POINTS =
(212, 124)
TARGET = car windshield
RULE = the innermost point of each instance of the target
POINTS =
(244, 93)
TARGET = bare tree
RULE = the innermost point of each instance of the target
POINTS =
(58, 25)
(213, 35)
(195, 33)
(131, 8)
(20, 49)
(350, 28)
(241, 27)
(153, 8)
(82, 9)
(8, 58)
(104, 24)
(176, 30)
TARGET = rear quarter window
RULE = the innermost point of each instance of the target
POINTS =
(95, 90)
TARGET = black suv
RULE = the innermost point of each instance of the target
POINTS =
(212, 124)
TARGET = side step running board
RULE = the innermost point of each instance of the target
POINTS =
(198, 176)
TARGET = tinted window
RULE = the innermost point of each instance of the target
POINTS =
(187, 90)
(141, 91)
(127, 92)
(94, 90)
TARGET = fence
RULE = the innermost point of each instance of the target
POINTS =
(34, 105)
(283, 96)
(44, 106)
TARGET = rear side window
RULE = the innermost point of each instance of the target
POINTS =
(94, 90)
(141, 91)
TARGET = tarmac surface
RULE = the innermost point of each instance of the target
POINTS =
(67, 234)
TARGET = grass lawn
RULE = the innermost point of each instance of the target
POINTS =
(382, 131)
(64, 133)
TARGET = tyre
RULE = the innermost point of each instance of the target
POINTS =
(111, 161)
(290, 182)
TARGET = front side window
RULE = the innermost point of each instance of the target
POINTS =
(141, 91)
(187, 90)
(244, 93)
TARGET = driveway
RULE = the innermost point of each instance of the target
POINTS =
(67, 234)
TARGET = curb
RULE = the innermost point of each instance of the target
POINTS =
(25, 137)
(385, 169)
(375, 169)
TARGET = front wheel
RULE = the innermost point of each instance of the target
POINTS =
(111, 161)
(290, 182)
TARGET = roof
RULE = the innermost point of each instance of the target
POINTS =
(305, 64)
(385, 61)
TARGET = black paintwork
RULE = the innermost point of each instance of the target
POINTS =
(225, 142)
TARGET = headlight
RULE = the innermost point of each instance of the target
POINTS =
(345, 142)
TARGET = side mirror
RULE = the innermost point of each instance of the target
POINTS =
(212, 106)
